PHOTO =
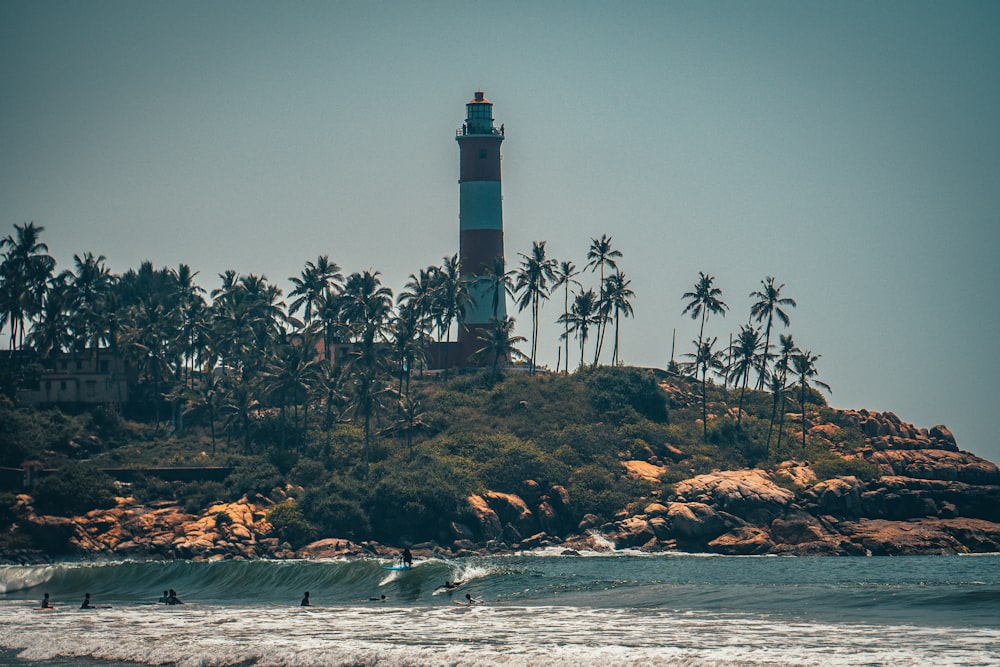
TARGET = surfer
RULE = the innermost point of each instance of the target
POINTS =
(407, 558)
(45, 602)
(86, 602)
(305, 601)
(450, 585)
(472, 600)
(381, 599)
(165, 598)
(172, 598)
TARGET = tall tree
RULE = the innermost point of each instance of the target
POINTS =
(24, 274)
(498, 343)
(533, 279)
(367, 308)
(705, 358)
(618, 294)
(746, 355)
(769, 303)
(499, 283)
(316, 279)
(600, 256)
(804, 365)
(788, 349)
(704, 300)
(565, 275)
(582, 317)
(452, 298)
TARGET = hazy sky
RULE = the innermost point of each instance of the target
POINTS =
(850, 149)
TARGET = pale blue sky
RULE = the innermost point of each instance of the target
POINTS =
(850, 149)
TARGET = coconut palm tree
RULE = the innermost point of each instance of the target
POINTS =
(705, 358)
(804, 366)
(533, 279)
(498, 282)
(565, 274)
(407, 334)
(746, 355)
(367, 308)
(498, 343)
(452, 298)
(582, 317)
(316, 279)
(704, 301)
(618, 294)
(788, 349)
(24, 274)
(768, 304)
(600, 256)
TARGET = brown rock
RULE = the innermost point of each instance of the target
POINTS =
(743, 541)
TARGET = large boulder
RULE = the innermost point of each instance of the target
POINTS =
(936, 464)
(748, 494)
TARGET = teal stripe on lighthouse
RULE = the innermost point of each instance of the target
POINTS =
(480, 205)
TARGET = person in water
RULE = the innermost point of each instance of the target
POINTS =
(381, 599)
(45, 602)
(450, 585)
(165, 598)
(472, 600)
(172, 598)
(86, 602)
(305, 601)
(407, 558)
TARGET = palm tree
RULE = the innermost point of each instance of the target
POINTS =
(705, 358)
(601, 255)
(746, 354)
(768, 304)
(564, 276)
(780, 383)
(91, 287)
(53, 333)
(533, 282)
(411, 411)
(582, 316)
(292, 373)
(367, 307)
(452, 298)
(804, 365)
(24, 275)
(704, 300)
(618, 294)
(498, 283)
(498, 342)
(407, 334)
(316, 280)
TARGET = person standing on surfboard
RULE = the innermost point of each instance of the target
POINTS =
(305, 601)
(407, 558)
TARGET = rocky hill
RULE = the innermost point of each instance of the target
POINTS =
(926, 497)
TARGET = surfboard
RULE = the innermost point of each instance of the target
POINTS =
(397, 568)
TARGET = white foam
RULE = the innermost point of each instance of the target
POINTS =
(511, 635)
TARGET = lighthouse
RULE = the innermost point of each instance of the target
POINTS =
(480, 213)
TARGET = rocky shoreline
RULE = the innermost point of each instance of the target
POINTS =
(932, 498)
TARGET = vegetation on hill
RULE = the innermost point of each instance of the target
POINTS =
(473, 432)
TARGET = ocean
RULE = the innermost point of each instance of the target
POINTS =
(542, 608)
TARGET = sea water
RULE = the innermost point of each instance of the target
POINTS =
(543, 608)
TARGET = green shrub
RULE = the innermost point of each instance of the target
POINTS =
(252, 477)
(835, 466)
(336, 515)
(290, 524)
(74, 489)
(613, 390)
